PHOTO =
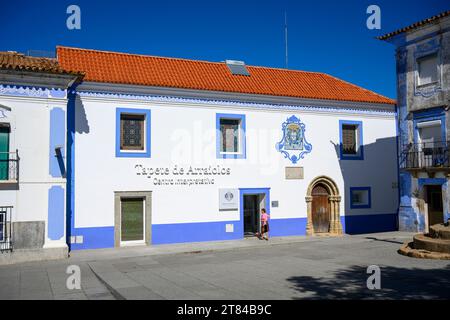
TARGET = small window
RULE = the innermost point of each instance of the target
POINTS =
(351, 140)
(360, 197)
(428, 69)
(349, 136)
(132, 132)
(430, 134)
(230, 136)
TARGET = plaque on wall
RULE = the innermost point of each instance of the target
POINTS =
(228, 199)
(294, 173)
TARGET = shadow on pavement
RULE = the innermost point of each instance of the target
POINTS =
(396, 283)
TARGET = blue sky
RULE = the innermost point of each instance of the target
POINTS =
(324, 35)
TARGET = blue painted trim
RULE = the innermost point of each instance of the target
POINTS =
(370, 223)
(429, 115)
(70, 175)
(431, 181)
(147, 152)
(56, 213)
(194, 232)
(94, 238)
(244, 191)
(397, 152)
(57, 139)
(369, 200)
(238, 103)
(243, 153)
(288, 227)
(360, 155)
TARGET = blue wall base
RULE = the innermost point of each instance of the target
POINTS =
(103, 237)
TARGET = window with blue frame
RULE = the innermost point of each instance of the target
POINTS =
(360, 197)
(133, 133)
(230, 136)
(351, 140)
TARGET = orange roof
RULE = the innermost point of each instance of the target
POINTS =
(123, 68)
(11, 60)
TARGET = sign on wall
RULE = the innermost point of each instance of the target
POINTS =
(293, 144)
(228, 199)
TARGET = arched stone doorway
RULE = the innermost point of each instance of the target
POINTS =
(323, 207)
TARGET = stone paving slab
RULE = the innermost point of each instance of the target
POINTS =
(333, 268)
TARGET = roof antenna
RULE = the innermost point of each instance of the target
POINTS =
(286, 38)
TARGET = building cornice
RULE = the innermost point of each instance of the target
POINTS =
(144, 92)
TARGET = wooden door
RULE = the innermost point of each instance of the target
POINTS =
(320, 209)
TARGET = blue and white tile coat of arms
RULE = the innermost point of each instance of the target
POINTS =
(293, 145)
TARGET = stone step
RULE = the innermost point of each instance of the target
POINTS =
(423, 242)
(440, 231)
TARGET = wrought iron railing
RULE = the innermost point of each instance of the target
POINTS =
(425, 155)
(6, 243)
(9, 166)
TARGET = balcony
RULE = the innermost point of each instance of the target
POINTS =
(425, 156)
(6, 229)
(9, 167)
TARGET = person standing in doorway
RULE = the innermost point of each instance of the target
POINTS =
(264, 224)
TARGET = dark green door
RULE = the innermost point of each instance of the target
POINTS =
(4, 153)
(132, 224)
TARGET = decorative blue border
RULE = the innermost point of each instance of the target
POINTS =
(363, 206)
(243, 153)
(219, 102)
(360, 154)
(147, 152)
(307, 147)
(244, 191)
(32, 91)
(429, 115)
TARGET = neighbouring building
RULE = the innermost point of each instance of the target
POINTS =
(162, 150)
(423, 86)
(33, 113)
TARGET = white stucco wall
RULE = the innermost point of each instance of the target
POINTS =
(183, 134)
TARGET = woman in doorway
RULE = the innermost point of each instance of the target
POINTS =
(264, 224)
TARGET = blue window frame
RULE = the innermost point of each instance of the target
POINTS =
(434, 114)
(235, 124)
(146, 152)
(360, 198)
(359, 144)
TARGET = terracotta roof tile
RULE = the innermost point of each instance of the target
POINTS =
(11, 60)
(415, 25)
(123, 68)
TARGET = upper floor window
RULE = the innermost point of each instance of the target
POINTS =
(427, 69)
(351, 144)
(132, 132)
(230, 136)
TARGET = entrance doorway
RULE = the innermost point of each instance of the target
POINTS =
(320, 209)
(252, 201)
(132, 221)
(435, 207)
(132, 218)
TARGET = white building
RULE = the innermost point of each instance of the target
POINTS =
(163, 150)
(173, 150)
(33, 108)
